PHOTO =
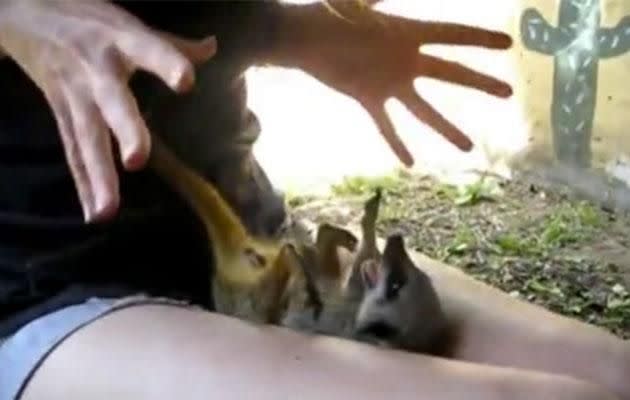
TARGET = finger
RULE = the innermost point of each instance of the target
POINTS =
(366, 3)
(387, 130)
(459, 35)
(156, 55)
(69, 140)
(427, 114)
(459, 74)
(94, 147)
(121, 113)
(111, 15)
(195, 51)
(371, 3)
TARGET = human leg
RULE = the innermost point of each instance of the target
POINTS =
(23, 351)
(155, 352)
(494, 328)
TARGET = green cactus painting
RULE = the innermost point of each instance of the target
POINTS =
(577, 44)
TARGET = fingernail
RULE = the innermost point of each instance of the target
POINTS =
(88, 214)
(210, 45)
(136, 155)
(136, 160)
(466, 145)
(407, 159)
(500, 89)
(184, 79)
(106, 207)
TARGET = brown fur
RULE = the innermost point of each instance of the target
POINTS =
(251, 273)
(356, 305)
(301, 285)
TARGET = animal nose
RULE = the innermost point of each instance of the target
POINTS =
(276, 216)
(379, 329)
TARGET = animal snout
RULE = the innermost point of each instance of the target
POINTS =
(275, 218)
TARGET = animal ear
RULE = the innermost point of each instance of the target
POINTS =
(371, 273)
(395, 256)
(328, 234)
(329, 239)
(256, 260)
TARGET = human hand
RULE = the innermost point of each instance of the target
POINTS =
(81, 54)
(372, 56)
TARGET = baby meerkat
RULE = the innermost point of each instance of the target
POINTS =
(251, 273)
(379, 298)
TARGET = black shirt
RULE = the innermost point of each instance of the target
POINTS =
(48, 257)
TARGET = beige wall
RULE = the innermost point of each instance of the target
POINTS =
(534, 88)
(533, 74)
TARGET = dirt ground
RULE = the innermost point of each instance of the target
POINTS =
(546, 247)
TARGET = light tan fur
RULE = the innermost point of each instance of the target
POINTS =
(251, 273)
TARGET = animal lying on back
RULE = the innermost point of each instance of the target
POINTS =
(381, 299)
(377, 298)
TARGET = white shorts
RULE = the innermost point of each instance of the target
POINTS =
(23, 352)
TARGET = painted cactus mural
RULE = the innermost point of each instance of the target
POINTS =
(577, 44)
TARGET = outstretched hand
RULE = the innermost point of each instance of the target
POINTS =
(81, 55)
(375, 56)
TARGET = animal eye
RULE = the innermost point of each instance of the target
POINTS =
(256, 259)
(392, 290)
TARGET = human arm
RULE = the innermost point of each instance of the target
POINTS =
(81, 55)
(372, 56)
